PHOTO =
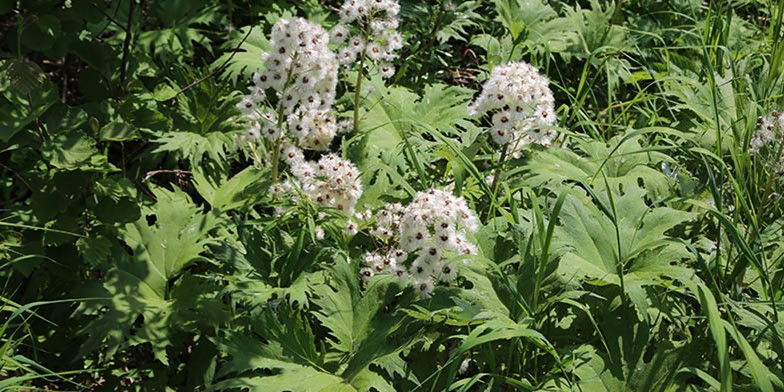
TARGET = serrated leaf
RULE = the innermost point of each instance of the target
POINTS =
(239, 191)
(138, 284)
(247, 59)
(357, 323)
(94, 250)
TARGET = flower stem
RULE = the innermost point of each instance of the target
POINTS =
(358, 91)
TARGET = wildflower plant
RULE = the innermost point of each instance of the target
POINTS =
(768, 141)
(330, 182)
(291, 98)
(424, 241)
(368, 36)
(388, 263)
(521, 107)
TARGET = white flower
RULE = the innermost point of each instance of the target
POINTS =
(331, 182)
(767, 129)
(521, 105)
(351, 227)
(424, 287)
(431, 229)
(387, 70)
(378, 20)
(447, 273)
(302, 71)
(338, 34)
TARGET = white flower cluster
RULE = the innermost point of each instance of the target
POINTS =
(769, 129)
(520, 102)
(302, 72)
(432, 229)
(330, 182)
(377, 38)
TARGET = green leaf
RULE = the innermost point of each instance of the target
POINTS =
(43, 32)
(75, 151)
(62, 117)
(289, 374)
(358, 325)
(605, 237)
(165, 92)
(177, 236)
(118, 131)
(536, 24)
(25, 95)
(247, 58)
(194, 146)
(170, 234)
(242, 190)
(716, 327)
(95, 250)
(290, 379)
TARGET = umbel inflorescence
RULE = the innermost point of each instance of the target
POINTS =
(521, 106)
(301, 72)
(424, 241)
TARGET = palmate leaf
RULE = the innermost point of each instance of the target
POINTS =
(609, 237)
(177, 237)
(249, 355)
(622, 160)
(224, 194)
(462, 17)
(193, 146)
(137, 285)
(361, 333)
(536, 24)
(392, 128)
(247, 58)
(293, 379)
(360, 328)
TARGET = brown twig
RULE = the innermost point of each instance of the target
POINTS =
(219, 69)
(111, 18)
(177, 172)
(26, 184)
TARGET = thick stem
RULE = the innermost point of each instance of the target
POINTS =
(358, 91)
(497, 173)
(281, 112)
(276, 161)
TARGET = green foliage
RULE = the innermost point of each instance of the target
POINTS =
(142, 249)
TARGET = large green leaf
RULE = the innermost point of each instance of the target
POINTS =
(74, 151)
(622, 160)
(359, 326)
(621, 241)
(392, 146)
(239, 191)
(536, 24)
(138, 284)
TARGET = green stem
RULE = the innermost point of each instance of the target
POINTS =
(358, 89)
(276, 148)
(497, 173)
